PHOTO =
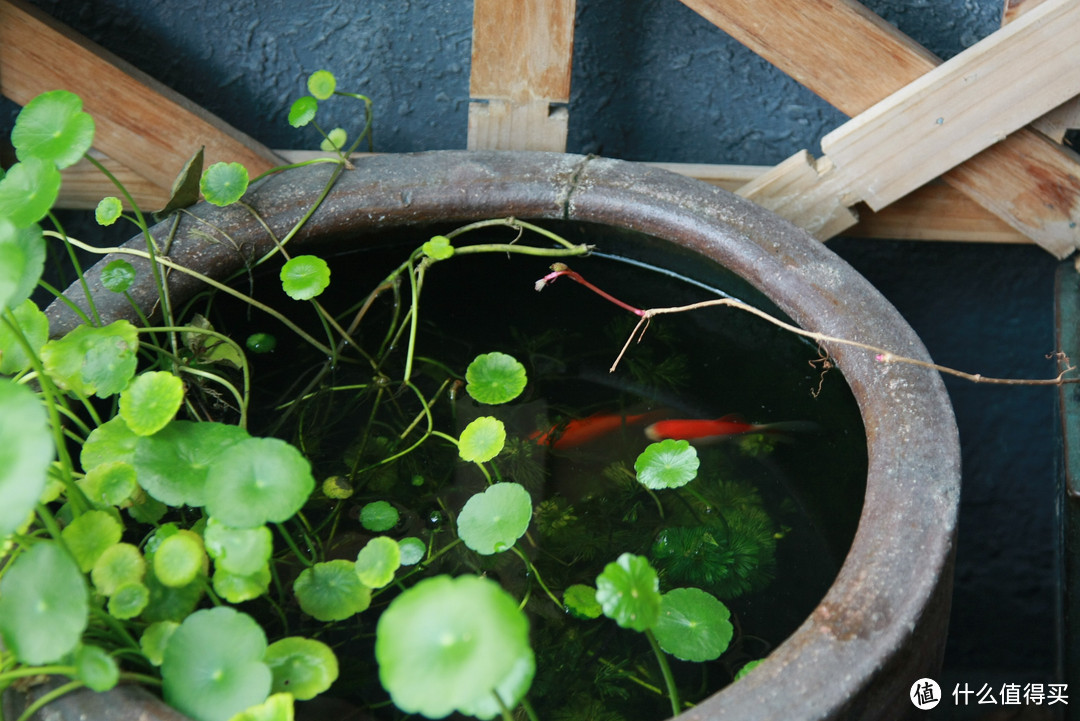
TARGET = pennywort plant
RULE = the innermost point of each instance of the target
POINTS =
(154, 532)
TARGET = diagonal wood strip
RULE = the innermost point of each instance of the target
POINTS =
(852, 58)
(142, 124)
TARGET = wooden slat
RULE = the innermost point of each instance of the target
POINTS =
(852, 58)
(962, 106)
(140, 123)
(1064, 117)
(520, 75)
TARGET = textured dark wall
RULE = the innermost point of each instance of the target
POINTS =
(653, 81)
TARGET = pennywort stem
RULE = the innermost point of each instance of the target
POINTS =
(665, 669)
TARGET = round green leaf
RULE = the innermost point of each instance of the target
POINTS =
(276, 707)
(96, 668)
(28, 191)
(108, 211)
(305, 276)
(22, 259)
(179, 559)
(261, 342)
(581, 601)
(241, 551)
(154, 640)
(88, 535)
(667, 464)
(34, 326)
(493, 521)
(110, 442)
(173, 465)
(335, 140)
(53, 127)
(258, 481)
(93, 360)
(237, 588)
(447, 644)
(118, 276)
(482, 439)
(224, 183)
(379, 516)
(629, 592)
(303, 667)
(43, 604)
(377, 561)
(322, 84)
(693, 625)
(495, 378)
(168, 603)
(213, 665)
(331, 591)
(302, 111)
(119, 564)
(438, 248)
(150, 401)
(109, 484)
(26, 451)
(412, 550)
(129, 601)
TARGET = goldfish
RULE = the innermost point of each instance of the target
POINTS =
(580, 431)
(703, 430)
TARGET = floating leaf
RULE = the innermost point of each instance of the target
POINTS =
(110, 442)
(150, 401)
(34, 326)
(179, 559)
(495, 378)
(119, 564)
(241, 551)
(338, 488)
(482, 439)
(96, 668)
(88, 535)
(493, 521)
(26, 451)
(261, 342)
(129, 601)
(258, 481)
(302, 111)
(224, 183)
(581, 601)
(118, 276)
(377, 561)
(173, 464)
(629, 592)
(237, 588)
(304, 277)
(28, 191)
(277, 707)
(447, 644)
(43, 604)
(667, 464)
(154, 640)
(331, 591)
(108, 210)
(303, 667)
(185, 189)
(109, 484)
(322, 84)
(213, 665)
(412, 550)
(335, 140)
(53, 127)
(438, 248)
(379, 516)
(22, 258)
(693, 625)
(93, 360)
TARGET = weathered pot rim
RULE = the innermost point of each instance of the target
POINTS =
(896, 580)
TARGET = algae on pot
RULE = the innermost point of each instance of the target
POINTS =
(156, 533)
